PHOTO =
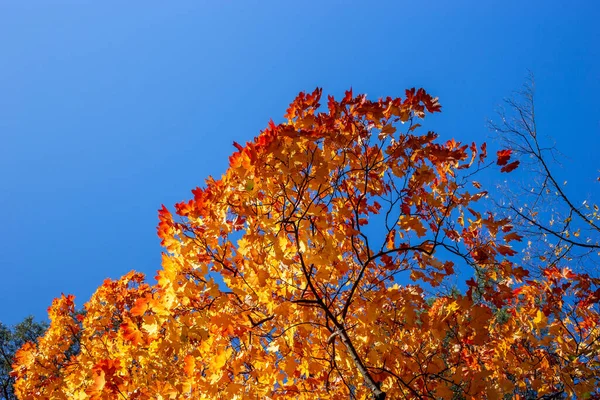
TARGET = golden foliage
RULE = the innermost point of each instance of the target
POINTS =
(278, 281)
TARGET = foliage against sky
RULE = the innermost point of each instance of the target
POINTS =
(11, 339)
(109, 109)
(310, 228)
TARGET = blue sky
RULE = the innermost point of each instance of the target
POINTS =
(110, 109)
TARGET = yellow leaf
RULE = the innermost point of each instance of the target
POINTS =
(540, 319)
(219, 359)
(150, 325)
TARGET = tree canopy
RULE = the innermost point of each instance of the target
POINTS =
(321, 265)
(11, 339)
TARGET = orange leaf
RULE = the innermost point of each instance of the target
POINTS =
(131, 332)
(189, 365)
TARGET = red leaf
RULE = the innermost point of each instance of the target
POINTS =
(405, 209)
(483, 153)
(510, 167)
(347, 97)
(506, 251)
(513, 236)
(503, 156)
(238, 146)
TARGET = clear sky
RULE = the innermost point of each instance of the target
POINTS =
(110, 109)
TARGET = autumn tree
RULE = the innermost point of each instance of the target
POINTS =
(11, 339)
(316, 267)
